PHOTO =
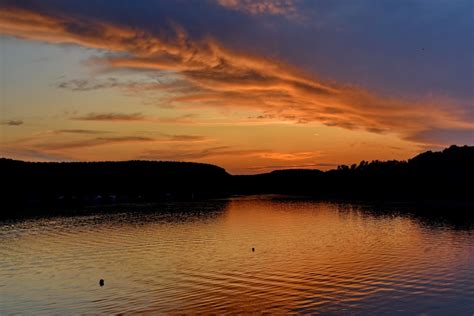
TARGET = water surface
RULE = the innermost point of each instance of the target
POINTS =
(310, 257)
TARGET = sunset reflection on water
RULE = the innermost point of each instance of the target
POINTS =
(310, 257)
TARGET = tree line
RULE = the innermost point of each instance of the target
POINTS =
(447, 174)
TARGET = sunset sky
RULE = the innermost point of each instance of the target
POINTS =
(251, 86)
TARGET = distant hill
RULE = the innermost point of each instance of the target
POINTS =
(46, 183)
(446, 175)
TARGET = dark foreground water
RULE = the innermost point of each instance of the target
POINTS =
(310, 257)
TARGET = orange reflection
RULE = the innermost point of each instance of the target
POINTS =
(309, 257)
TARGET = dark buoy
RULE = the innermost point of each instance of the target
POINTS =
(101, 282)
(253, 249)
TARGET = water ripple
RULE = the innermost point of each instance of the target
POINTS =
(315, 258)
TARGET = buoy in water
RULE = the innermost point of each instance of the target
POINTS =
(101, 282)
(253, 249)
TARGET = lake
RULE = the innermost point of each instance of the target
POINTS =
(309, 257)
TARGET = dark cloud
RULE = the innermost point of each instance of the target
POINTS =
(111, 117)
(79, 131)
(13, 123)
(440, 137)
(274, 7)
(87, 85)
(152, 83)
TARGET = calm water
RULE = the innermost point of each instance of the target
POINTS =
(309, 257)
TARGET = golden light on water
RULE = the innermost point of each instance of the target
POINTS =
(309, 257)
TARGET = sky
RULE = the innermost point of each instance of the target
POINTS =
(251, 86)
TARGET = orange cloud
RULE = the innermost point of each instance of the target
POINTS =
(288, 156)
(293, 166)
(31, 154)
(53, 141)
(179, 153)
(207, 74)
(99, 141)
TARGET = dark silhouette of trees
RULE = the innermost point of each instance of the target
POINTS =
(445, 175)
(430, 175)
(69, 183)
